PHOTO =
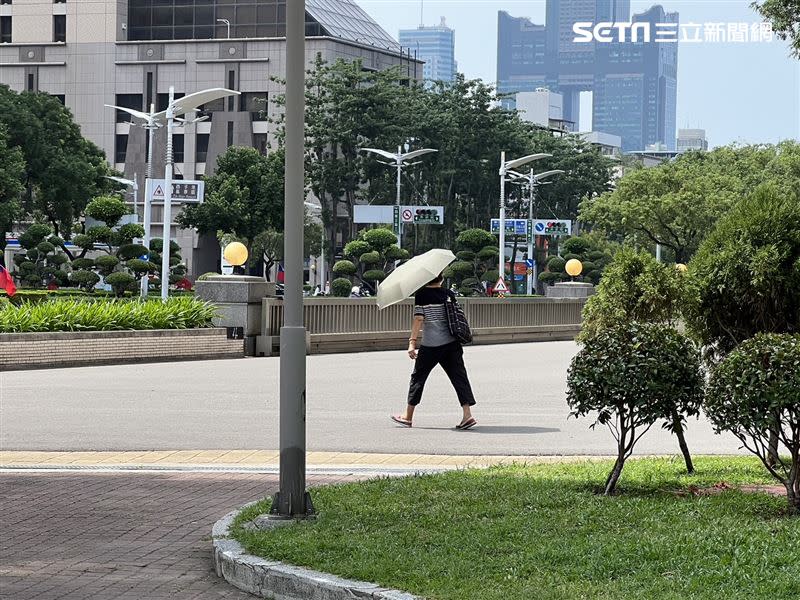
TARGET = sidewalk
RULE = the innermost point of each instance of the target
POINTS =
(256, 460)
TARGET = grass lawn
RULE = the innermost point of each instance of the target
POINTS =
(540, 532)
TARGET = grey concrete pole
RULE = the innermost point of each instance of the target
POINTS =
(167, 200)
(292, 500)
(148, 201)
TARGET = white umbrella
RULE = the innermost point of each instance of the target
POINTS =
(412, 275)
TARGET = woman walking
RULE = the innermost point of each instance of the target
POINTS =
(439, 347)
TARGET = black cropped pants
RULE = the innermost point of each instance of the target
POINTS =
(451, 357)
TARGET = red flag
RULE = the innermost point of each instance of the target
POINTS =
(7, 282)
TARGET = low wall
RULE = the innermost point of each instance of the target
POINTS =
(87, 348)
(353, 325)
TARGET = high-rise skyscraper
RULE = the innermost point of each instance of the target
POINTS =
(634, 84)
(436, 46)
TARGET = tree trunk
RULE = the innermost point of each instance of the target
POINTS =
(613, 477)
(687, 457)
(772, 454)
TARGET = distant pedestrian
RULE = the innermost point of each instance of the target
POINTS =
(439, 347)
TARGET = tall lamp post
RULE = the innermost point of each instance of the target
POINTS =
(398, 160)
(150, 121)
(292, 499)
(505, 167)
(533, 183)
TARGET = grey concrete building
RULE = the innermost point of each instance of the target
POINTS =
(90, 53)
(692, 139)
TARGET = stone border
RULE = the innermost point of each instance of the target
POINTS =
(280, 581)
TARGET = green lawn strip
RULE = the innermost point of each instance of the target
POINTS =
(541, 532)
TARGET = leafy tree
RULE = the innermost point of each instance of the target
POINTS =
(371, 257)
(755, 394)
(630, 376)
(476, 262)
(341, 287)
(43, 259)
(785, 18)
(677, 204)
(636, 287)
(747, 272)
(12, 175)
(268, 246)
(63, 170)
(244, 197)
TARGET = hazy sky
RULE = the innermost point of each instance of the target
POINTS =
(746, 92)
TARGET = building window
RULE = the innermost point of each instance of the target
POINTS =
(260, 142)
(59, 1)
(231, 86)
(132, 101)
(163, 99)
(149, 91)
(5, 1)
(177, 148)
(120, 148)
(61, 98)
(209, 108)
(5, 30)
(201, 148)
(255, 103)
(230, 133)
(59, 28)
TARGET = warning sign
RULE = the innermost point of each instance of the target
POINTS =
(183, 191)
(408, 216)
(500, 286)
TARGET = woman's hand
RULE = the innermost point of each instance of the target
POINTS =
(412, 350)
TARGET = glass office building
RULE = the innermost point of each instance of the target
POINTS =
(634, 84)
(434, 45)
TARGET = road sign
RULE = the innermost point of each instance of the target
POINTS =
(183, 191)
(407, 216)
(513, 226)
(391, 213)
(500, 286)
(554, 227)
(529, 263)
(396, 219)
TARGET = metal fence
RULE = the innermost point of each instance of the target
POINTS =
(361, 315)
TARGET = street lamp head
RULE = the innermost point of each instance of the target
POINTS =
(540, 176)
(518, 162)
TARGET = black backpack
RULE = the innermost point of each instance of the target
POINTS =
(457, 321)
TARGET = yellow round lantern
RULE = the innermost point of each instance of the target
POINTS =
(235, 253)
(681, 267)
(574, 267)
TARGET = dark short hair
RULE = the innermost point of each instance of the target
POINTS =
(438, 279)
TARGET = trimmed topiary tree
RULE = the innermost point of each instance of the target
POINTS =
(341, 287)
(755, 394)
(375, 250)
(476, 256)
(631, 376)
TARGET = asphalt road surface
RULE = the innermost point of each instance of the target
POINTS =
(233, 404)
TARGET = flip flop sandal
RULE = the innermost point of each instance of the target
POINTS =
(400, 420)
(469, 424)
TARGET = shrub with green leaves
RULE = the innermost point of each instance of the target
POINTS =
(476, 256)
(747, 272)
(635, 287)
(106, 315)
(755, 394)
(341, 287)
(630, 376)
(374, 250)
(121, 282)
(593, 253)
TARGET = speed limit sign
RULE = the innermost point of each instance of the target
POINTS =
(408, 217)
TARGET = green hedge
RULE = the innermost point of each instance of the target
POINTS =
(24, 296)
(76, 314)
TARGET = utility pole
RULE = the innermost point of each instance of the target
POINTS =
(292, 499)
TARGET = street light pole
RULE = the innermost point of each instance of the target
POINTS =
(148, 201)
(167, 219)
(398, 160)
(505, 167)
(292, 499)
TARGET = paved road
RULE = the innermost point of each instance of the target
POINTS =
(233, 404)
(81, 536)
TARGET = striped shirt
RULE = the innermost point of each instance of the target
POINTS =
(429, 304)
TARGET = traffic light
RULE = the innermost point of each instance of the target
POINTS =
(556, 228)
(426, 215)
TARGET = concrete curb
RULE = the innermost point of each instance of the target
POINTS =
(279, 581)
